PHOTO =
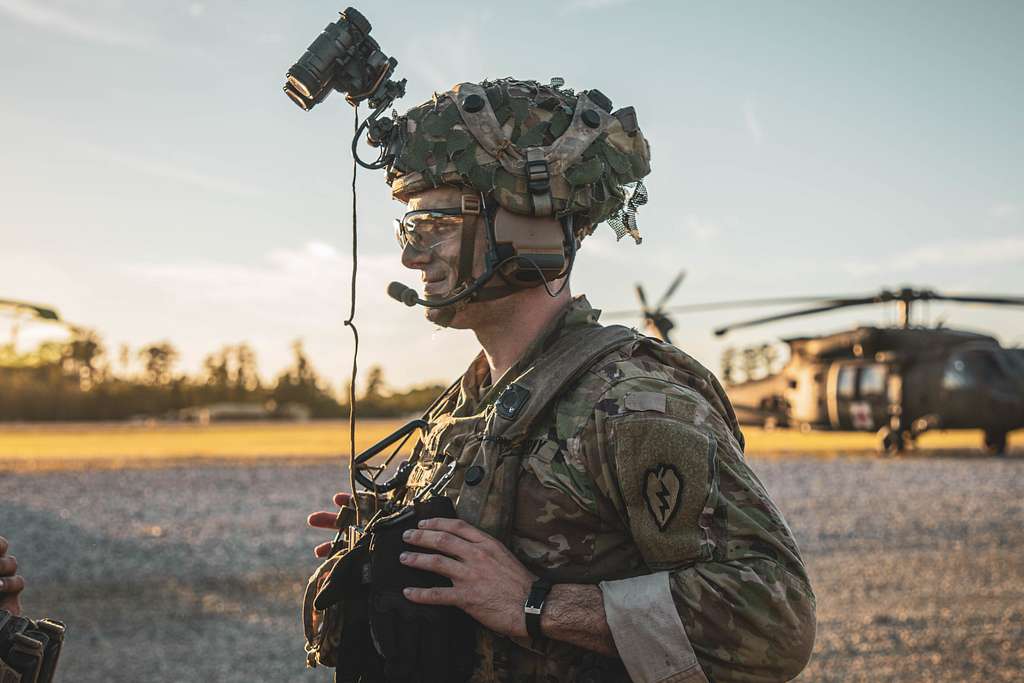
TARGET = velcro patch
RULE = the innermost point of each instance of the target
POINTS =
(665, 470)
(645, 400)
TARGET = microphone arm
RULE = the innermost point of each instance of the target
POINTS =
(407, 295)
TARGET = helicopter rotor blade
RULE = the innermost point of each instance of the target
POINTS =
(670, 291)
(645, 309)
(738, 303)
(830, 306)
(41, 312)
(751, 303)
(979, 299)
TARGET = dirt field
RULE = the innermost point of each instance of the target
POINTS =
(193, 572)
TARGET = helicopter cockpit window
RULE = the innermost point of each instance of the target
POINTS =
(872, 381)
(956, 375)
(969, 369)
(846, 384)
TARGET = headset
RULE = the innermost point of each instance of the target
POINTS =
(523, 251)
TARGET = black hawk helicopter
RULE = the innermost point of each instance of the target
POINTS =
(900, 381)
(19, 311)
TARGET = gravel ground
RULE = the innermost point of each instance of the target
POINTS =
(194, 574)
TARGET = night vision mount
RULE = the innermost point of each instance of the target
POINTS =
(345, 58)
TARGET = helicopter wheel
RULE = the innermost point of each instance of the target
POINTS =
(995, 443)
(894, 442)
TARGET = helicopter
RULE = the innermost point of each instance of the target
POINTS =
(898, 381)
(20, 311)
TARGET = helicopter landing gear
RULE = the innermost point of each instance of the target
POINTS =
(895, 441)
(995, 443)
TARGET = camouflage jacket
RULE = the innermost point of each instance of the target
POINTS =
(637, 471)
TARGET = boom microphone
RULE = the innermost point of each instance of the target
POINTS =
(399, 292)
(407, 295)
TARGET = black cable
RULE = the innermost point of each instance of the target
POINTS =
(355, 336)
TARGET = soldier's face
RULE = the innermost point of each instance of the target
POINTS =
(437, 257)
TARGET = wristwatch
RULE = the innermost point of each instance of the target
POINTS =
(535, 605)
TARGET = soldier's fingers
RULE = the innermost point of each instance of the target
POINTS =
(457, 527)
(323, 520)
(3, 546)
(439, 564)
(323, 549)
(342, 498)
(8, 566)
(449, 544)
(431, 596)
(12, 584)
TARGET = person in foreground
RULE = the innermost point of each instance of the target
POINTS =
(29, 649)
(606, 526)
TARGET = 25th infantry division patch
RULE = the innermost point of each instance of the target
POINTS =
(662, 488)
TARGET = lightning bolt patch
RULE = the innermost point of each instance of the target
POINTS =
(662, 488)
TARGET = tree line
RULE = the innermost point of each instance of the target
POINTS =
(81, 380)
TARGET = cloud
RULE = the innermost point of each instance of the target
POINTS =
(56, 20)
(161, 169)
(591, 5)
(1005, 211)
(291, 284)
(196, 9)
(752, 122)
(295, 291)
(700, 229)
(992, 251)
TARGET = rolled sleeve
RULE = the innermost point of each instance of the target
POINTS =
(648, 632)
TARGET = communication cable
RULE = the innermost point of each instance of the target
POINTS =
(350, 323)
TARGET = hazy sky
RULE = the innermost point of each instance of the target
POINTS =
(158, 185)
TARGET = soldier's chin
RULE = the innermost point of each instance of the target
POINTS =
(439, 316)
(446, 316)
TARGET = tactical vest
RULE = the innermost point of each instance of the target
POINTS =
(476, 460)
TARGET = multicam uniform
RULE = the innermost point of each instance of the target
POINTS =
(635, 480)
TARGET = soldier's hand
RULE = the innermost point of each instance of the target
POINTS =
(11, 584)
(490, 584)
(327, 520)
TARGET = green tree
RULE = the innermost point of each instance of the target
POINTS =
(158, 362)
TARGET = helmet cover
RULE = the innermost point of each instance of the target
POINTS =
(534, 149)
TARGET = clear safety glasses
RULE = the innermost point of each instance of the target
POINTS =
(428, 228)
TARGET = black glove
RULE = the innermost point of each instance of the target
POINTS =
(419, 643)
(344, 599)
(29, 649)
(384, 637)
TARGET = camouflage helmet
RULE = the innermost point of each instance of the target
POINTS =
(540, 150)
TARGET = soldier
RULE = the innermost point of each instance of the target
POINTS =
(609, 528)
(11, 585)
(29, 649)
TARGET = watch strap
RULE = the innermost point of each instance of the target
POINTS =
(535, 605)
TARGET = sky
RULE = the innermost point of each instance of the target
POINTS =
(157, 184)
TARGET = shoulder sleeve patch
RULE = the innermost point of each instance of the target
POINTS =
(666, 471)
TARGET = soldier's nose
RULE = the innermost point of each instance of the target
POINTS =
(414, 258)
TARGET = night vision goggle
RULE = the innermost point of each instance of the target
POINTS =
(522, 252)
(345, 58)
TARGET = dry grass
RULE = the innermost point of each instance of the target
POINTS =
(57, 447)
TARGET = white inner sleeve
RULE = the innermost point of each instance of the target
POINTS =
(647, 630)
